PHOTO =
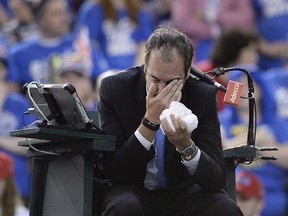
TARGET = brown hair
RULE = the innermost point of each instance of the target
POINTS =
(228, 46)
(167, 39)
(111, 12)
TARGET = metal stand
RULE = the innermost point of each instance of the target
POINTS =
(62, 175)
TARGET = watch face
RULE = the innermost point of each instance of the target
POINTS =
(188, 151)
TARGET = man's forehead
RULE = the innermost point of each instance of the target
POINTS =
(158, 66)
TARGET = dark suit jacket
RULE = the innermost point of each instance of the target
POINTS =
(122, 107)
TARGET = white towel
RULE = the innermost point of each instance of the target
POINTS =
(180, 110)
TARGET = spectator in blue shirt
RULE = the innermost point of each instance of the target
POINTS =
(35, 59)
(120, 29)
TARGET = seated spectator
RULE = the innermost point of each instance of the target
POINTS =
(271, 19)
(204, 20)
(13, 106)
(10, 202)
(119, 28)
(234, 47)
(34, 59)
(22, 26)
(249, 193)
(72, 70)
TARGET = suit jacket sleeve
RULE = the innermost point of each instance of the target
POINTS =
(210, 171)
(127, 165)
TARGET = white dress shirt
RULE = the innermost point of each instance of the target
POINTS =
(151, 178)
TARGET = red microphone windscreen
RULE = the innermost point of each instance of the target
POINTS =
(233, 93)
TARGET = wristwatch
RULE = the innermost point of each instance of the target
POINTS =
(188, 152)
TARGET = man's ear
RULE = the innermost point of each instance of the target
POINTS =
(144, 68)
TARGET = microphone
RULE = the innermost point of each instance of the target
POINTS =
(205, 77)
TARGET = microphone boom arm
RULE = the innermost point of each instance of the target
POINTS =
(248, 151)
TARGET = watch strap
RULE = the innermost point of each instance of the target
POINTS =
(150, 125)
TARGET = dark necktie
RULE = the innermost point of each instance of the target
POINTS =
(160, 144)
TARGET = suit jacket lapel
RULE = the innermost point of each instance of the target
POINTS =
(140, 95)
(137, 110)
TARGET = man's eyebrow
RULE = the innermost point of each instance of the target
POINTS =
(177, 78)
(154, 77)
(167, 82)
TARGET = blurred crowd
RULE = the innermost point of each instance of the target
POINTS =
(83, 41)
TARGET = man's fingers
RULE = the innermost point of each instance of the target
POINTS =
(177, 95)
(182, 124)
(170, 89)
(172, 92)
(151, 91)
(178, 123)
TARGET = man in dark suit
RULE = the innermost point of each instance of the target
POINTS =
(130, 106)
